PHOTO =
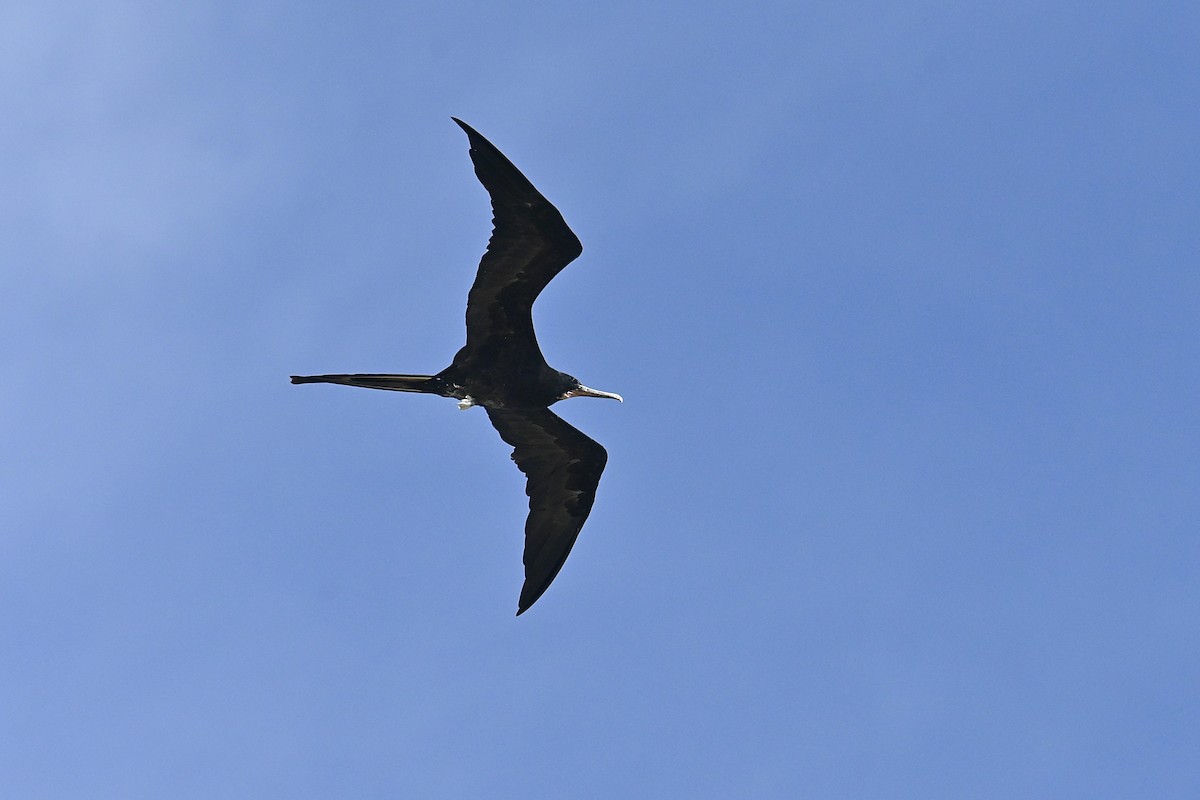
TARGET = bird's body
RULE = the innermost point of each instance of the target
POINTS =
(502, 369)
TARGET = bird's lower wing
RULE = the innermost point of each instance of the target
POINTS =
(563, 468)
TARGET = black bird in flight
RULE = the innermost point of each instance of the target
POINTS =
(502, 369)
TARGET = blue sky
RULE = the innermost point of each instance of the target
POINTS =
(902, 503)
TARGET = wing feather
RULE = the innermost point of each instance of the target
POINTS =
(562, 467)
(530, 244)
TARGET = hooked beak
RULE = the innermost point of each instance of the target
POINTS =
(584, 391)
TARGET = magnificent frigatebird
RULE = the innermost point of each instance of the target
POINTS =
(502, 369)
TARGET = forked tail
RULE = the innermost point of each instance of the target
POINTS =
(394, 383)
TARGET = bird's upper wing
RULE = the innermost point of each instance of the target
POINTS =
(530, 244)
(563, 468)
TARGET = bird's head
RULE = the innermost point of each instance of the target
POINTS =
(573, 388)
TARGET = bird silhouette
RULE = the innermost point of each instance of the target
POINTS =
(502, 368)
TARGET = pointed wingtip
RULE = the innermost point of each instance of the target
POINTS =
(524, 604)
(470, 131)
(478, 141)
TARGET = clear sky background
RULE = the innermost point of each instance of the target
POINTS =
(903, 502)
